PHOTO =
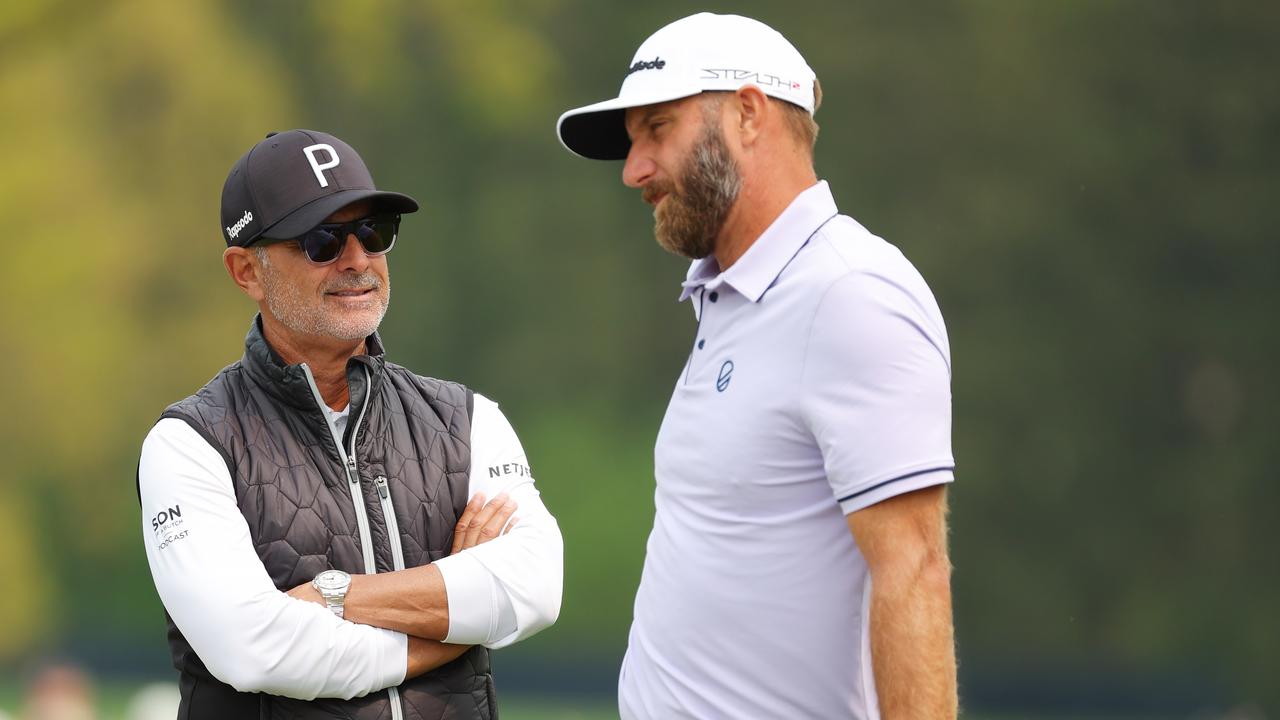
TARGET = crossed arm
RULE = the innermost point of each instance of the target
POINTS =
(904, 541)
(414, 601)
(257, 639)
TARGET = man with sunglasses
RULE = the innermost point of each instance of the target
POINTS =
(331, 534)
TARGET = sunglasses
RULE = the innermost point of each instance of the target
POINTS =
(323, 243)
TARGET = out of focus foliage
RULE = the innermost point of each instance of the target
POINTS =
(1088, 186)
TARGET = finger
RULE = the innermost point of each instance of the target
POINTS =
(493, 528)
(480, 518)
(469, 512)
(511, 524)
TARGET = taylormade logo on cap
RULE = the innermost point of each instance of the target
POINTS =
(234, 230)
(699, 53)
(654, 64)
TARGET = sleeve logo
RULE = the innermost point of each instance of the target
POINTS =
(167, 526)
(510, 469)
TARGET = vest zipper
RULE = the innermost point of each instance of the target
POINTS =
(397, 712)
(357, 500)
(397, 560)
(353, 477)
(393, 526)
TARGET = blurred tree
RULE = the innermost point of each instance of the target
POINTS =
(1087, 186)
(115, 115)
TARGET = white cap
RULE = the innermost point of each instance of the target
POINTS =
(689, 56)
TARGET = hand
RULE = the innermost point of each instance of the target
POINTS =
(482, 522)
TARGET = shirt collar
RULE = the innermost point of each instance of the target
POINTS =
(765, 260)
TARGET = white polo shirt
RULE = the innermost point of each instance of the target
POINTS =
(818, 384)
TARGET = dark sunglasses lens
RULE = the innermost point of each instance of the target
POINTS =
(322, 245)
(377, 235)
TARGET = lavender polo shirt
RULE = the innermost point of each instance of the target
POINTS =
(818, 384)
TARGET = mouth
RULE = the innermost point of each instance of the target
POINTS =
(656, 194)
(351, 293)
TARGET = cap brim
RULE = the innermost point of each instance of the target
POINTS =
(314, 212)
(599, 131)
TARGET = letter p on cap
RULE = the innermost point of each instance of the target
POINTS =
(319, 167)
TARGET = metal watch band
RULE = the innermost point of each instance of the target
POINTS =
(335, 605)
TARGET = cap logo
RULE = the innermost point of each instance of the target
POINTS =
(234, 230)
(759, 78)
(317, 166)
(655, 64)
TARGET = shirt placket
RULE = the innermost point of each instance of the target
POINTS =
(704, 341)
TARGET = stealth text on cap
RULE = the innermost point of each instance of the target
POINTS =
(319, 167)
(234, 230)
(759, 78)
(654, 64)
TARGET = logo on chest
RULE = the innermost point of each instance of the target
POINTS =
(726, 374)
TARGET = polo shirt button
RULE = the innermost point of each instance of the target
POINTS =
(714, 296)
(701, 343)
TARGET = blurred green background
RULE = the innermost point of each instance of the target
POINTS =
(1089, 187)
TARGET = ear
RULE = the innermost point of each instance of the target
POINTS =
(753, 105)
(242, 265)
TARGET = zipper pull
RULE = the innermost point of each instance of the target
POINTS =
(381, 482)
(351, 470)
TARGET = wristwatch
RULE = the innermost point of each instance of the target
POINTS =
(332, 586)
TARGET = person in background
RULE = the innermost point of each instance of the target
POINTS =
(59, 691)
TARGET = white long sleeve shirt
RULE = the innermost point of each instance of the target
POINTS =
(256, 638)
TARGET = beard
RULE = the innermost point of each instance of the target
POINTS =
(689, 219)
(306, 313)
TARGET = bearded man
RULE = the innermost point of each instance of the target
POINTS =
(332, 535)
(798, 565)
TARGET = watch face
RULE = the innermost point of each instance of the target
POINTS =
(332, 580)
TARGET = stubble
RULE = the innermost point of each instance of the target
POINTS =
(306, 313)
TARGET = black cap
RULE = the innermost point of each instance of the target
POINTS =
(291, 181)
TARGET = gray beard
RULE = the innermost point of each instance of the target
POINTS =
(688, 221)
(300, 314)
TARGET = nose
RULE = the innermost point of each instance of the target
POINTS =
(639, 167)
(352, 257)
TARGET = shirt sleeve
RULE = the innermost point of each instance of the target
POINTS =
(876, 389)
(509, 588)
(249, 634)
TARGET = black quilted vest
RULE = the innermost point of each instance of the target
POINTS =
(412, 437)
